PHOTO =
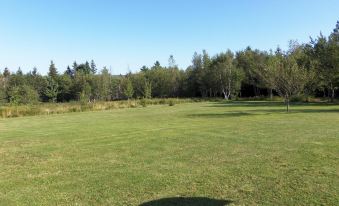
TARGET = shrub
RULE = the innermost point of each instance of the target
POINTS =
(23, 95)
(171, 102)
(143, 102)
(298, 98)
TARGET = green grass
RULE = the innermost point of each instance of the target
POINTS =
(246, 153)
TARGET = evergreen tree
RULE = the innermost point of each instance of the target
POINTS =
(19, 72)
(84, 68)
(6, 73)
(171, 62)
(35, 71)
(144, 69)
(336, 30)
(93, 67)
(69, 72)
(87, 68)
(75, 66)
(52, 89)
(52, 72)
(156, 65)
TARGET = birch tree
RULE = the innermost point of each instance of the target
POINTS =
(228, 76)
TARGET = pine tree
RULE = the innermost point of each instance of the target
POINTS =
(53, 73)
(171, 62)
(87, 68)
(156, 65)
(75, 66)
(6, 73)
(93, 67)
(19, 72)
(69, 72)
(52, 89)
(35, 71)
(336, 30)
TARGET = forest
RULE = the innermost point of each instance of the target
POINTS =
(302, 71)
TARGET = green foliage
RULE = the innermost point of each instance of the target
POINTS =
(93, 67)
(85, 94)
(148, 90)
(171, 103)
(105, 89)
(326, 53)
(128, 88)
(52, 89)
(228, 75)
(6, 72)
(53, 73)
(285, 75)
(143, 102)
(244, 74)
(3, 97)
(23, 94)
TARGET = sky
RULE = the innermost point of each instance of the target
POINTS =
(124, 35)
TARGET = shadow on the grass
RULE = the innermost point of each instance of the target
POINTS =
(245, 104)
(262, 111)
(221, 115)
(187, 201)
(266, 103)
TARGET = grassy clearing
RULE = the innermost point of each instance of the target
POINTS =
(245, 153)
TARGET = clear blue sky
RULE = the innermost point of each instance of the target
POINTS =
(128, 34)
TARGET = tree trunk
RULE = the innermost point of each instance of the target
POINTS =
(332, 93)
(287, 104)
(226, 96)
(271, 94)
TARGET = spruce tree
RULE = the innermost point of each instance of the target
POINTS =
(75, 66)
(87, 68)
(6, 72)
(35, 71)
(93, 67)
(53, 73)
(69, 72)
(19, 72)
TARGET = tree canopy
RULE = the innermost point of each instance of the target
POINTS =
(310, 69)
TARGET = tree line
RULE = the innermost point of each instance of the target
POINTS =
(309, 69)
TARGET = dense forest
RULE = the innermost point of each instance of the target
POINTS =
(309, 69)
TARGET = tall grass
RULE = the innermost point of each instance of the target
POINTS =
(9, 111)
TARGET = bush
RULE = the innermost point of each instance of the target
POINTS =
(298, 98)
(143, 102)
(23, 95)
(2, 96)
(171, 102)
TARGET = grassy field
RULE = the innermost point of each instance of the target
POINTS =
(245, 153)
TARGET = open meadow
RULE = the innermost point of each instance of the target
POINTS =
(206, 153)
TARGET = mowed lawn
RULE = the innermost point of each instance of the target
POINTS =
(245, 153)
